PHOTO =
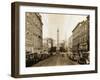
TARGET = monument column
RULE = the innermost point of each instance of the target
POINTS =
(57, 40)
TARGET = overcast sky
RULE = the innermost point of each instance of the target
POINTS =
(65, 24)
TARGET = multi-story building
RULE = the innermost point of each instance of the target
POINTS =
(81, 36)
(33, 32)
(47, 43)
(70, 43)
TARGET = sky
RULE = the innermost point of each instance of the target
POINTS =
(65, 24)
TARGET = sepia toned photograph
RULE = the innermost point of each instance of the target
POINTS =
(56, 39)
(53, 39)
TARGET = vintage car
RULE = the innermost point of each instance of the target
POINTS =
(44, 55)
(84, 59)
(74, 56)
(29, 59)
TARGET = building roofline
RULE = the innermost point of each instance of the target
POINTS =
(77, 26)
(39, 18)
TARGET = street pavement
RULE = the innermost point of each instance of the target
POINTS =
(56, 60)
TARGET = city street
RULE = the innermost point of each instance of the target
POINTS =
(42, 40)
(56, 60)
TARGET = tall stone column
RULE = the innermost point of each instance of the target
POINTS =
(57, 39)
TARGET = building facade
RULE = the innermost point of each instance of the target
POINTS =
(33, 32)
(70, 43)
(81, 36)
(47, 43)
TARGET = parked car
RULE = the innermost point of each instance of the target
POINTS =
(85, 58)
(74, 56)
(29, 59)
(82, 61)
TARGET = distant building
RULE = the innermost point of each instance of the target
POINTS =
(70, 43)
(47, 43)
(62, 46)
(33, 32)
(81, 36)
